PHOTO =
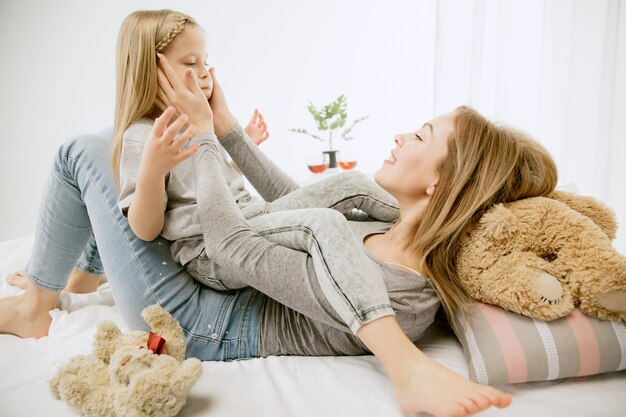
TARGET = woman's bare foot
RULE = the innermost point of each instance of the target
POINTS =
(27, 315)
(430, 387)
(80, 282)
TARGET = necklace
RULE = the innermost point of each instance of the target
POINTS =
(405, 267)
(387, 262)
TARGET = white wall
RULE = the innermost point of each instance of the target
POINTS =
(57, 77)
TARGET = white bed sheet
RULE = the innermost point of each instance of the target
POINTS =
(277, 386)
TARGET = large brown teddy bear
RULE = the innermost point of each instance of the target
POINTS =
(125, 377)
(544, 256)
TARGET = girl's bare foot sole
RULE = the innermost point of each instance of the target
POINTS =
(432, 388)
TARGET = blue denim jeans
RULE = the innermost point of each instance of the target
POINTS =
(80, 199)
(90, 259)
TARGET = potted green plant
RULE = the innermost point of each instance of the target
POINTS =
(330, 121)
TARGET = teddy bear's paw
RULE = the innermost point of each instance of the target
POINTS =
(551, 300)
(612, 300)
(548, 288)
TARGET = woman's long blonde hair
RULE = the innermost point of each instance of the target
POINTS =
(142, 34)
(486, 164)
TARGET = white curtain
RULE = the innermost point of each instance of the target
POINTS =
(556, 68)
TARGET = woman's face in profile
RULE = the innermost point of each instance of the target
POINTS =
(413, 164)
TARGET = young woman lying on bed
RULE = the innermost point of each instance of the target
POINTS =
(443, 175)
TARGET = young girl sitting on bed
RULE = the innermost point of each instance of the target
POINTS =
(159, 183)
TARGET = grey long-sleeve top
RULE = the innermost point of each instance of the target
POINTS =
(287, 332)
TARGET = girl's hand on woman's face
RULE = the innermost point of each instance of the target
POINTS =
(185, 95)
(163, 149)
(223, 120)
(257, 128)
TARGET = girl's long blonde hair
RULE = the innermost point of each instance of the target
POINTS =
(486, 164)
(142, 34)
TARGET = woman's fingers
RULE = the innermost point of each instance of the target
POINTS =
(164, 84)
(212, 74)
(216, 85)
(161, 122)
(194, 84)
(171, 75)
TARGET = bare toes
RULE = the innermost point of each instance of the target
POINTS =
(460, 410)
(490, 394)
(498, 398)
(505, 401)
(481, 401)
(470, 406)
(17, 280)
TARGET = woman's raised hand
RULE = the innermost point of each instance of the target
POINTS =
(223, 119)
(185, 95)
(163, 149)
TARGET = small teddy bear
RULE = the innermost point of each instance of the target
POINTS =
(544, 256)
(125, 376)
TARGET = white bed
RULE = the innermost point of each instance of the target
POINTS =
(278, 386)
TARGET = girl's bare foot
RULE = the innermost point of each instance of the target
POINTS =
(80, 282)
(18, 279)
(430, 387)
(27, 315)
(18, 319)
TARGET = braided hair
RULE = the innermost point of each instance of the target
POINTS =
(179, 26)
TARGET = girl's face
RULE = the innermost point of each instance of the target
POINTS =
(188, 50)
(412, 169)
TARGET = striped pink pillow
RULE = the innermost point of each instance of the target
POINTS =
(505, 347)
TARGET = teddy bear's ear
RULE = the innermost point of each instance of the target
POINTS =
(591, 207)
(105, 341)
(499, 223)
(166, 326)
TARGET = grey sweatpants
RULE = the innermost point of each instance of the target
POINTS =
(309, 219)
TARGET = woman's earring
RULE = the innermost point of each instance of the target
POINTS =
(430, 190)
